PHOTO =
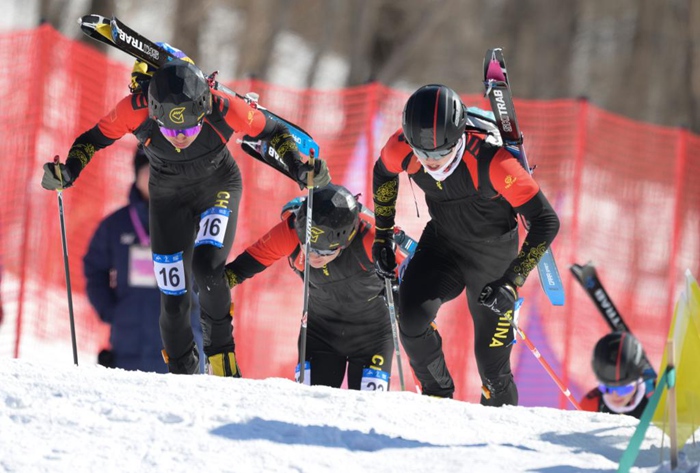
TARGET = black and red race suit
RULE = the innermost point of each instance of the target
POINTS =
(348, 320)
(194, 198)
(470, 241)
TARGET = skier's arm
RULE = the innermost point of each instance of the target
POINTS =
(260, 125)
(517, 186)
(274, 245)
(129, 113)
(385, 181)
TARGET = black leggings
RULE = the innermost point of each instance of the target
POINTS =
(176, 209)
(340, 338)
(438, 272)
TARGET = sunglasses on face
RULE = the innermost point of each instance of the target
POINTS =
(435, 155)
(322, 252)
(188, 132)
(623, 390)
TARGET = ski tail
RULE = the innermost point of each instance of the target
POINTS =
(139, 46)
(498, 92)
(587, 276)
(98, 28)
(114, 32)
(501, 100)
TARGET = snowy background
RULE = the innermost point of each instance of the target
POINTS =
(63, 418)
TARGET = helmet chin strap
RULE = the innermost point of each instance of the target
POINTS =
(448, 168)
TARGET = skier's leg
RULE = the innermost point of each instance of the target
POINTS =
(493, 335)
(431, 278)
(217, 230)
(172, 231)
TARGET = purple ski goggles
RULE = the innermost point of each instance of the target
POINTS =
(623, 390)
(188, 132)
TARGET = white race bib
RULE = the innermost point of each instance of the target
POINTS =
(212, 227)
(141, 267)
(170, 273)
(374, 380)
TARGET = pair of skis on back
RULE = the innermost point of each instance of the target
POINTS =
(115, 33)
(498, 92)
(501, 100)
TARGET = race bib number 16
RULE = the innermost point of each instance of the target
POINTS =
(212, 227)
(170, 273)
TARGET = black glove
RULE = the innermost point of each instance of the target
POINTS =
(499, 296)
(322, 177)
(383, 254)
(51, 181)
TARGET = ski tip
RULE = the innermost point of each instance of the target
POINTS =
(495, 72)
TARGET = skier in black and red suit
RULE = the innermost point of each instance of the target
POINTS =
(474, 187)
(348, 324)
(618, 365)
(195, 189)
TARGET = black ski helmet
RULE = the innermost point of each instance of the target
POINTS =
(178, 95)
(434, 119)
(334, 218)
(617, 359)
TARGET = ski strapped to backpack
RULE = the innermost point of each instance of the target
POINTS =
(587, 276)
(115, 33)
(499, 94)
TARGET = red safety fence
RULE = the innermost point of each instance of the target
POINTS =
(624, 192)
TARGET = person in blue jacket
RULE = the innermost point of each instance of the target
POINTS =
(121, 284)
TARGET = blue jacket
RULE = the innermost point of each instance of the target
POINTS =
(129, 303)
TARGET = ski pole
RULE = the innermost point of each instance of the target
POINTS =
(307, 248)
(392, 316)
(509, 316)
(59, 191)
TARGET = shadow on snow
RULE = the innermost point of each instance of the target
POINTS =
(319, 435)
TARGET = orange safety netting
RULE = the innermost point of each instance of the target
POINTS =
(623, 191)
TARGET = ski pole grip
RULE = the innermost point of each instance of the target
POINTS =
(57, 169)
(310, 174)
